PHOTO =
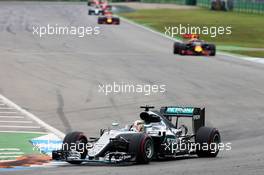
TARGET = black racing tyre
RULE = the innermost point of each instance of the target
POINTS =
(177, 47)
(223, 6)
(213, 50)
(76, 140)
(117, 21)
(100, 21)
(142, 146)
(89, 12)
(208, 139)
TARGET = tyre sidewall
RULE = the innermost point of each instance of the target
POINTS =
(205, 135)
(74, 138)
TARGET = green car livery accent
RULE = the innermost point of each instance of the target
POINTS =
(180, 110)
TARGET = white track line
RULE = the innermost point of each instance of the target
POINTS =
(246, 58)
(8, 112)
(24, 132)
(11, 116)
(12, 153)
(33, 117)
(149, 29)
(9, 149)
(252, 59)
(16, 126)
(6, 108)
(6, 121)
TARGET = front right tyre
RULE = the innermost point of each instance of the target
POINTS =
(142, 146)
(75, 140)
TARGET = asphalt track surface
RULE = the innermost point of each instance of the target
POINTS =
(57, 78)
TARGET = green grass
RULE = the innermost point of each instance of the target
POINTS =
(19, 140)
(247, 29)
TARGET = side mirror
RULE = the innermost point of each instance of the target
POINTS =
(115, 124)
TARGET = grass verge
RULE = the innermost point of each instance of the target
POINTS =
(19, 141)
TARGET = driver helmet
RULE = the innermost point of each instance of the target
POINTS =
(138, 126)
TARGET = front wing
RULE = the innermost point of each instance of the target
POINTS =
(74, 156)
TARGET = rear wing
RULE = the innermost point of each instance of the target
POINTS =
(191, 36)
(197, 115)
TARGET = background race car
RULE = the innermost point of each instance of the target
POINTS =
(109, 19)
(96, 11)
(92, 2)
(194, 46)
(105, 6)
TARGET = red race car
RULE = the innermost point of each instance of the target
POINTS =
(93, 2)
(108, 19)
(194, 46)
(105, 6)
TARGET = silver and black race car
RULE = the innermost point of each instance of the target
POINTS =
(157, 135)
(96, 11)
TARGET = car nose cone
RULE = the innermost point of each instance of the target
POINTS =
(109, 20)
(198, 49)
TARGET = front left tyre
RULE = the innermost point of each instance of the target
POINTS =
(117, 21)
(212, 49)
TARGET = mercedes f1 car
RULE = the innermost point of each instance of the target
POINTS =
(194, 46)
(108, 19)
(154, 136)
(103, 4)
(96, 11)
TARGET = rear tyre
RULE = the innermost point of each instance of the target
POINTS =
(208, 139)
(76, 140)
